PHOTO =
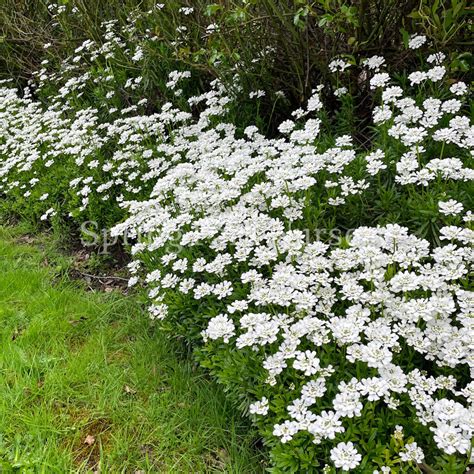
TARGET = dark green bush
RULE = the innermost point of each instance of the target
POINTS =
(272, 45)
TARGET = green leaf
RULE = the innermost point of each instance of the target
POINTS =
(435, 7)
(448, 20)
(325, 20)
(213, 9)
(299, 16)
(405, 36)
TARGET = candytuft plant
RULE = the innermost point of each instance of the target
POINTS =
(317, 262)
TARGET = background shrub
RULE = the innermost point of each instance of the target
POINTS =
(277, 46)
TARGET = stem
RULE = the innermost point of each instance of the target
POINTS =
(425, 468)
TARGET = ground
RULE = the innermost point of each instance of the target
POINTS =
(88, 384)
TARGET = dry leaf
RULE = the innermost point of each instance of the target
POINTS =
(90, 440)
(129, 390)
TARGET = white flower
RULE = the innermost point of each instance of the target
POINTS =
(175, 77)
(338, 65)
(186, 10)
(374, 63)
(345, 456)
(260, 407)
(257, 94)
(381, 115)
(436, 58)
(348, 404)
(469, 217)
(219, 327)
(417, 77)
(49, 213)
(312, 390)
(379, 80)
(211, 28)
(436, 73)
(138, 54)
(340, 92)
(286, 430)
(450, 439)
(390, 94)
(375, 163)
(450, 208)
(451, 106)
(287, 126)
(416, 41)
(326, 425)
(411, 452)
(458, 88)
(216, 217)
(307, 362)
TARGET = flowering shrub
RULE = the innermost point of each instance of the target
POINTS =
(353, 353)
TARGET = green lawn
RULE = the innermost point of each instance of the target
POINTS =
(87, 384)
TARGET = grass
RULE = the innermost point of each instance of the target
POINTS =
(88, 385)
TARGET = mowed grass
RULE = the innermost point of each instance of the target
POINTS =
(88, 385)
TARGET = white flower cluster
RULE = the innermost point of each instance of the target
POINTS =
(417, 41)
(234, 205)
(175, 77)
(418, 126)
(388, 310)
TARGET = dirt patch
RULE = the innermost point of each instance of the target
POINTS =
(98, 272)
(26, 239)
(105, 283)
(90, 442)
(218, 459)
